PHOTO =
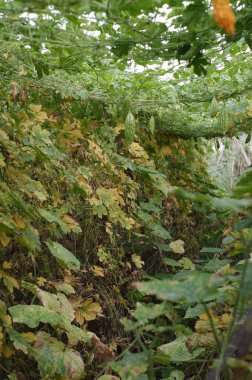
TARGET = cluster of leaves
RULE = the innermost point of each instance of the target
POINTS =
(72, 185)
(146, 32)
(196, 307)
(91, 168)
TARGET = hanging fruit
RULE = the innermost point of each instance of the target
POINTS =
(14, 90)
(22, 96)
(224, 16)
(130, 128)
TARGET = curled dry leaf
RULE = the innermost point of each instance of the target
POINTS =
(200, 340)
(101, 351)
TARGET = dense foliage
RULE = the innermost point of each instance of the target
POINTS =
(120, 256)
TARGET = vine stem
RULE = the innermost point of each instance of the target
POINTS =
(211, 321)
(232, 323)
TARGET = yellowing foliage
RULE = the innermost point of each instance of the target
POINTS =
(203, 324)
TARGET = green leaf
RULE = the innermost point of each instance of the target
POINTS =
(131, 366)
(33, 315)
(64, 257)
(171, 262)
(68, 361)
(19, 341)
(152, 124)
(64, 288)
(53, 218)
(212, 250)
(29, 238)
(176, 375)
(215, 264)
(28, 185)
(176, 351)
(193, 287)
(228, 239)
(54, 302)
(187, 263)
(195, 311)
(50, 362)
(74, 365)
(160, 231)
(144, 216)
(246, 289)
(76, 334)
(130, 128)
(244, 186)
(163, 247)
(144, 312)
(57, 303)
(149, 207)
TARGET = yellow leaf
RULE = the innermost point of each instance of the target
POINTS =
(109, 229)
(64, 287)
(203, 324)
(40, 116)
(128, 265)
(136, 150)
(187, 263)
(8, 352)
(7, 265)
(182, 153)
(88, 312)
(137, 261)
(225, 319)
(97, 151)
(226, 270)
(167, 150)
(98, 271)
(103, 255)
(35, 107)
(71, 223)
(177, 246)
(10, 282)
(120, 127)
(70, 133)
(2, 162)
(29, 337)
(83, 182)
(22, 72)
(68, 277)
(4, 239)
(19, 221)
(41, 281)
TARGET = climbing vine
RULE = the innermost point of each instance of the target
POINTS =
(119, 255)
